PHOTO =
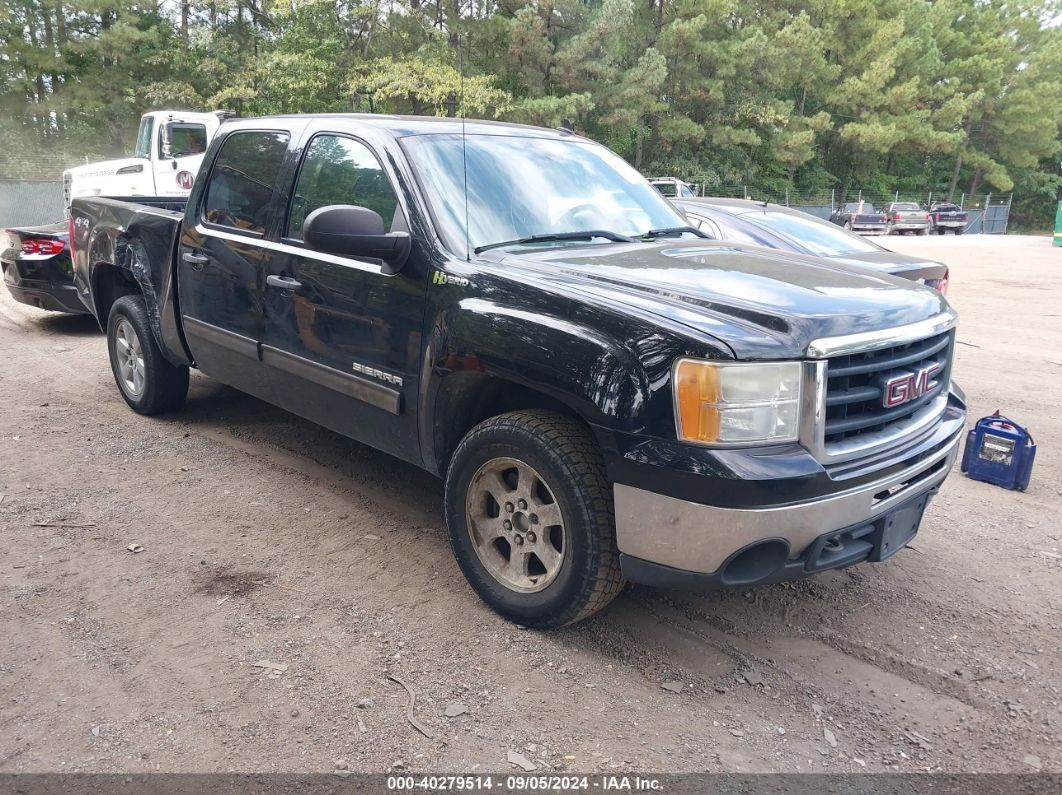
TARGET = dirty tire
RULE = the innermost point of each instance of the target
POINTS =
(566, 457)
(163, 386)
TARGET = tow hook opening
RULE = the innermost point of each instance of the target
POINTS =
(755, 563)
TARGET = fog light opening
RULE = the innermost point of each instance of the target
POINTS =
(756, 562)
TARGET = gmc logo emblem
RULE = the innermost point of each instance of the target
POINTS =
(906, 387)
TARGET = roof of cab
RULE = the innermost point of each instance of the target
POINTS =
(404, 126)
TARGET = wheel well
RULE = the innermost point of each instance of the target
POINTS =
(467, 399)
(109, 284)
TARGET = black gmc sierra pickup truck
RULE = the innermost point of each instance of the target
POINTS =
(609, 396)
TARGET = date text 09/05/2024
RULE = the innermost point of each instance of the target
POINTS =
(522, 783)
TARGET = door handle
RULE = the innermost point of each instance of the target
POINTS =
(283, 282)
(197, 261)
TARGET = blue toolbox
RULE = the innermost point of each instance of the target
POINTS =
(999, 451)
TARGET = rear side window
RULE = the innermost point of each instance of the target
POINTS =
(241, 182)
(338, 170)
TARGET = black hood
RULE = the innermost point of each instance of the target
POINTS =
(763, 303)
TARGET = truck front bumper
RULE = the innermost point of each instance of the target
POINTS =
(671, 542)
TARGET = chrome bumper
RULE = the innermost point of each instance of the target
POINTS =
(699, 538)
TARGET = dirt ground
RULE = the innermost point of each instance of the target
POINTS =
(288, 572)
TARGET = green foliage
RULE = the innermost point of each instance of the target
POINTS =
(909, 95)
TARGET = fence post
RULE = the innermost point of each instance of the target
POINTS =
(833, 199)
(1006, 218)
(896, 198)
(984, 215)
(745, 192)
(929, 201)
(962, 201)
(787, 197)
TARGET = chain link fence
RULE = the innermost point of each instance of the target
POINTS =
(988, 213)
(30, 202)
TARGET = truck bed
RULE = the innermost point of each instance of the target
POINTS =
(137, 235)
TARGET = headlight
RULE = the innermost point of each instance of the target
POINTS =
(737, 403)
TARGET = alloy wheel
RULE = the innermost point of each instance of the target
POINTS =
(130, 359)
(516, 525)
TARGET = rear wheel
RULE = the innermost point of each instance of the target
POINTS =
(530, 515)
(959, 231)
(147, 381)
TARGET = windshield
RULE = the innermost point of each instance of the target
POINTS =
(813, 235)
(143, 138)
(522, 186)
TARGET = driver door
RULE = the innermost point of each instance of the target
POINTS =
(342, 336)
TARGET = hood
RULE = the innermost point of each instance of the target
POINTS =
(890, 262)
(762, 303)
(105, 168)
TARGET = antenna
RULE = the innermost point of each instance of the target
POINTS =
(464, 151)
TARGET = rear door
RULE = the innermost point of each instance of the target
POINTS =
(223, 256)
(342, 338)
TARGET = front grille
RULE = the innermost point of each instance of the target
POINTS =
(855, 387)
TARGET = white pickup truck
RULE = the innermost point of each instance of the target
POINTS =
(169, 150)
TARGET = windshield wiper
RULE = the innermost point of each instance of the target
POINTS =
(674, 231)
(588, 234)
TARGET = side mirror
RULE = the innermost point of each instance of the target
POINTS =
(356, 232)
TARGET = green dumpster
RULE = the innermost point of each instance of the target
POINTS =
(1058, 225)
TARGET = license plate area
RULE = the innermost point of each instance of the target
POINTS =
(897, 527)
(874, 541)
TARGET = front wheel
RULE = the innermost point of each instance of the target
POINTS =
(531, 521)
(848, 226)
(147, 381)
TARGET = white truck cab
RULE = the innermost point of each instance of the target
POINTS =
(169, 150)
(673, 188)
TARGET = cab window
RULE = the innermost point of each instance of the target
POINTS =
(241, 182)
(181, 139)
(339, 170)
